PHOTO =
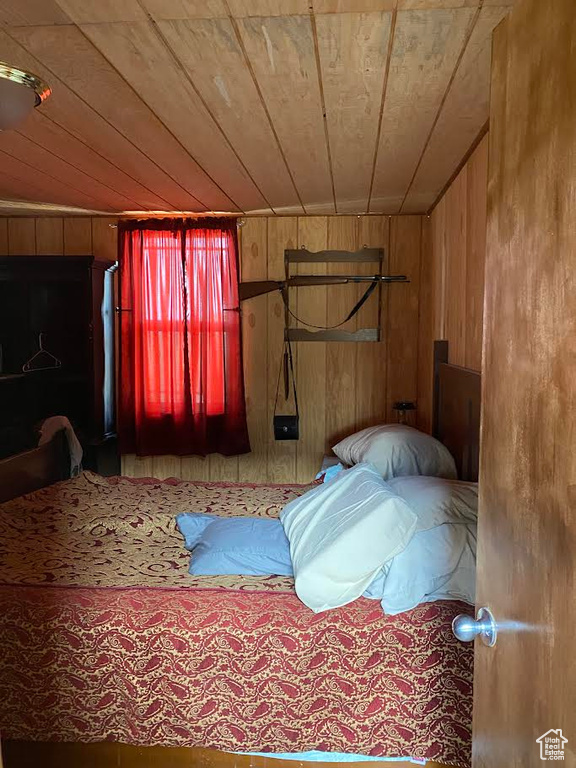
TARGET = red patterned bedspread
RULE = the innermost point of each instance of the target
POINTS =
(238, 667)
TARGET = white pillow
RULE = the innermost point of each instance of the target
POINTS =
(342, 533)
(397, 450)
(437, 501)
(439, 562)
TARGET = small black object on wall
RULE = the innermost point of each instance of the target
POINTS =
(401, 407)
(287, 427)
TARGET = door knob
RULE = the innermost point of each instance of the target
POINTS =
(466, 628)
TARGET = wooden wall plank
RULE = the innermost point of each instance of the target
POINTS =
(268, 7)
(353, 50)
(129, 135)
(282, 234)
(253, 467)
(341, 356)
(402, 348)
(33, 12)
(43, 187)
(137, 466)
(463, 115)
(435, 5)
(78, 236)
(456, 218)
(195, 468)
(49, 236)
(224, 468)
(438, 219)
(458, 254)
(425, 51)
(425, 329)
(477, 171)
(371, 358)
(187, 9)
(16, 189)
(209, 89)
(109, 10)
(281, 51)
(61, 143)
(353, 6)
(105, 237)
(212, 55)
(139, 54)
(3, 236)
(312, 365)
(97, 196)
(166, 466)
(21, 237)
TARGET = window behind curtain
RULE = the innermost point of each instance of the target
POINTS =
(182, 382)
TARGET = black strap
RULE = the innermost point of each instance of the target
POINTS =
(367, 293)
(359, 304)
(287, 354)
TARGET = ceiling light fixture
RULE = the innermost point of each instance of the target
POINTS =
(20, 92)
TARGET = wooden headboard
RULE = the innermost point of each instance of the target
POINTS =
(31, 470)
(456, 415)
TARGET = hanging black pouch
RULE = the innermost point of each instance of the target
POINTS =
(287, 427)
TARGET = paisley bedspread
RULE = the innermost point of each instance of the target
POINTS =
(104, 635)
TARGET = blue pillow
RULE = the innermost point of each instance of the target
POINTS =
(192, 525)
(245, 546)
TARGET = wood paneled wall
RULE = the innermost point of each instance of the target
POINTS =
(452, 296)
(341, 386)
(55, 236)
(459, 254)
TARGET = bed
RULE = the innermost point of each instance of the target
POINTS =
(107, 637)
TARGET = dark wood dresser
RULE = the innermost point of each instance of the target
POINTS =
(64, 305)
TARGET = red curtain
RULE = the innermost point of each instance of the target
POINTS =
(182, 385)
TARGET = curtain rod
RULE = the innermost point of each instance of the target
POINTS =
(239, 223)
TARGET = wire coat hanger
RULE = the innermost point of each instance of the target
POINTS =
(45, 361)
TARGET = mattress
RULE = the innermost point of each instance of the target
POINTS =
(106, 636)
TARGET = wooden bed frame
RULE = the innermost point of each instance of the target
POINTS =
(456, 423)
(105, 754)
(456, 414)
(34, 469)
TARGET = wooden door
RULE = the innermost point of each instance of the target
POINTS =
(525, 686)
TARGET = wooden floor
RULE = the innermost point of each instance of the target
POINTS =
(26, 754)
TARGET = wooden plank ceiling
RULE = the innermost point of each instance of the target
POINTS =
(253, 106)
